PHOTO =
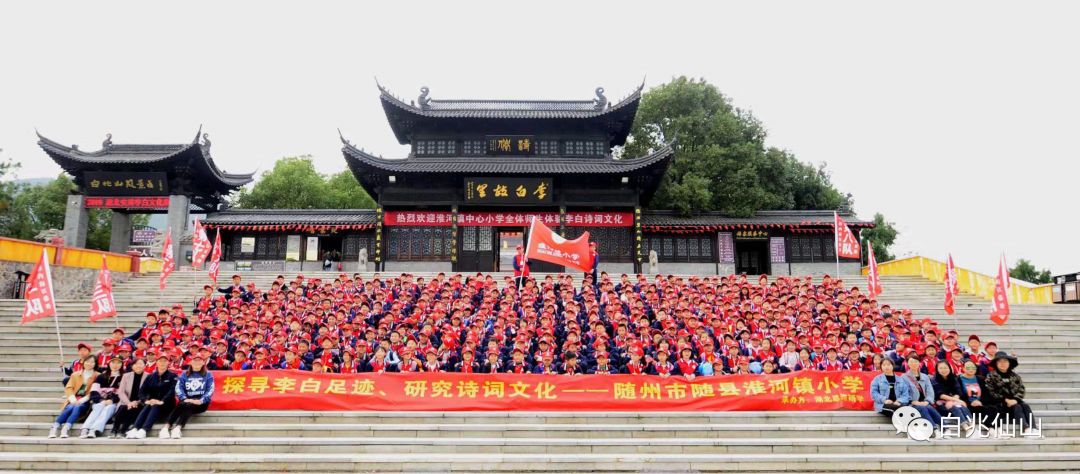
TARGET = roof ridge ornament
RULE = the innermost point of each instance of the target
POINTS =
(601, 100)
(423, 100)
(206, 143)
(105, 145)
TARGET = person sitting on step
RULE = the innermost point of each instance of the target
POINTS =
(104, 398)
(76, 398)
(194, 389)
(1005, 391)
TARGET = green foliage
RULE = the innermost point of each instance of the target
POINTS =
(721, 161)
(7, 192)
(293, 183)
(1024, 270)
(882, 236)
(42, 207)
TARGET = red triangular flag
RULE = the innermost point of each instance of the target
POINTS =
(873, 280)
(102, 304)
(168, 259)
(40, 302)
(952, 287)
(200, 245)
(999, 313)
(847, 245)
(215, 259)
(551, 247)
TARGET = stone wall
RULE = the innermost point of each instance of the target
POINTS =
(68, 282)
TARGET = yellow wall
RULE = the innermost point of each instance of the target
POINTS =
(969, 281)
(15, 250)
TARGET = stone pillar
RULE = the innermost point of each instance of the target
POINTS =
(76, 221)
(177, 222)
(120, 239)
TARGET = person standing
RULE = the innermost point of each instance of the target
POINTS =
(521, 267)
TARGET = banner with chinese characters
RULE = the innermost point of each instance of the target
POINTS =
(302, 390)
(495, 219)
(508, 190)
(161, 202)
(522, 145)
(119, 183)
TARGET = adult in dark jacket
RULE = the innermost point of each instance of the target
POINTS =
(194, 389)
(949, 402)
(1005, 391)
(129, 398)
(158, 395)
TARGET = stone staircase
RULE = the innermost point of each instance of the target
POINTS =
(1046, 338)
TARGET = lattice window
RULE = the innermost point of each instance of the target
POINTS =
(547, 147)
(485, 238)
(474, 147)
(468, 239)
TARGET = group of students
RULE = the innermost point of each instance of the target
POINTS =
(132, 394)
(667, 326)
(994, 400)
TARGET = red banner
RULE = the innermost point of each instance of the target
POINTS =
(543, 244)
(847, 245)
(161, 202)
(40, 302)
(102, 304)
(476, 219)
(433, 391)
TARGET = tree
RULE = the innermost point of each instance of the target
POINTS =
(882, 236)
(1025, 271)
(346, 193)
(42, 207)
(294, 183)
(721, 161)
(7, 193)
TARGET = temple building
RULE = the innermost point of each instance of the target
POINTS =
(476, 173)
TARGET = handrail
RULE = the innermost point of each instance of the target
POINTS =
(969, 281)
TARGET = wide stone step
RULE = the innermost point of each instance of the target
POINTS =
(198, 429)
(894, 444)
(322, 462)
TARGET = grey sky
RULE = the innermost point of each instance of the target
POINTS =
(952, 118)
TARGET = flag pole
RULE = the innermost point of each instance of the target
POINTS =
(836, 241)
(524, 256)
(56, 312)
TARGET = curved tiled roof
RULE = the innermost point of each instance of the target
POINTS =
(506, 164)
(121, 157)
(318, 217)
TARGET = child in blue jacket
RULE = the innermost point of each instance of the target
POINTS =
(194, 390)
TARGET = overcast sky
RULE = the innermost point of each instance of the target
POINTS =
(957, 120)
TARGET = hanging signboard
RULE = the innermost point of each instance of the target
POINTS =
(508, 190)
(92, 202)
(573, 219)
(518, 145)
(121, 183)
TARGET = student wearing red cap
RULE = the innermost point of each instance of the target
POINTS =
(521, 267)
(75, 366)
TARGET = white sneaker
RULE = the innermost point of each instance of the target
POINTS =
(175, 434)
(84, 433)
(52, 432)
(140, 434)
(131, 434)
(164, 433)
(64, 430)
(91, 434)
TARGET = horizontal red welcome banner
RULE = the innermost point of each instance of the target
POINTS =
(473, 219)
(302, 390)
(94, 202)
